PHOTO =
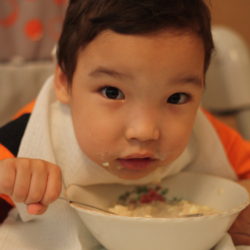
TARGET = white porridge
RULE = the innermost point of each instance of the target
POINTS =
(152, 202)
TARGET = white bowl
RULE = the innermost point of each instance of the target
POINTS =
(138, 233)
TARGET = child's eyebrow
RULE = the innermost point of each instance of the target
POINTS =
(183, 79)
(190, 79)
(102, 71)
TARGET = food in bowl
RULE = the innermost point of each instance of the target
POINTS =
(142, 233)
(151, 201)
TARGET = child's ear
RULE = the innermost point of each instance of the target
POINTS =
(61, 86)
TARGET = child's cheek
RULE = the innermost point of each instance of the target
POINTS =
(94, 143)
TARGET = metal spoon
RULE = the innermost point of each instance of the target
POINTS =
(98, 209)
(193, 215)
(87, 206)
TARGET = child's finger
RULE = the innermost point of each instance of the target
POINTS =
(36, 208)
(240, 230)
(22, 181)
(7, 176)
(54, 185)
(241, 239)
(242, 222)
(39, 178)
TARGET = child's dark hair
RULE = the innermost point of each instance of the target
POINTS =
(85, 19)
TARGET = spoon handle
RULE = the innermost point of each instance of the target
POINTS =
(86, 206)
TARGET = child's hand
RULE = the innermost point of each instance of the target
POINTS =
(34, 182)
(240, 230)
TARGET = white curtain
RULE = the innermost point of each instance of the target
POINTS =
(29, 29)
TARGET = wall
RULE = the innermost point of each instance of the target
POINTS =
(232, 13)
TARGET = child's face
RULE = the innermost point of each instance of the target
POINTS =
(134, 99)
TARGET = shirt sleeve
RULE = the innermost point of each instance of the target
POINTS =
(5, 201)
(10, 138)
(236, 148)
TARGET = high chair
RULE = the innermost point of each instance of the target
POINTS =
(20, 83)
(228, 79)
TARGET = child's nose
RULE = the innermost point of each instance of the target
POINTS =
(143, 128)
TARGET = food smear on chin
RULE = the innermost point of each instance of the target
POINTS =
(105, 164)
(152, 201)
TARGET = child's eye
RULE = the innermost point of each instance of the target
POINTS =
(178, 98)
(112, 93)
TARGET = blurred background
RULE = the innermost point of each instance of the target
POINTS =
(228, 78)
(29, 30)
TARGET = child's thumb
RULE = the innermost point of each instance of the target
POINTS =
(36, 208)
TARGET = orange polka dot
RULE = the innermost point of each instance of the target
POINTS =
(11, 18)
(59, 2)
(34, 29)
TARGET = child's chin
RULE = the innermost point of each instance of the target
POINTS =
(131, 174)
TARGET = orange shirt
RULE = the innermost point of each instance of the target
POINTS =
(236, 148)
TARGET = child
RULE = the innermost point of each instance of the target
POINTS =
(124, 108)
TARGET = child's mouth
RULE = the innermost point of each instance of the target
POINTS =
(136, 163)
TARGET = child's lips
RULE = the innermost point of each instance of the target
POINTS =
(136, 163)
